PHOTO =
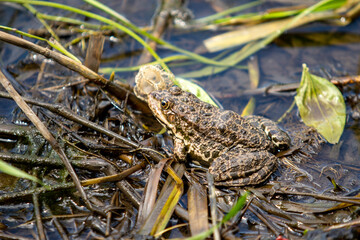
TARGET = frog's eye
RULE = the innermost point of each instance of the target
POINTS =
(165, 104)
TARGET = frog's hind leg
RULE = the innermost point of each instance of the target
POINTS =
(241, 167)
(251, 180)
(279, 137)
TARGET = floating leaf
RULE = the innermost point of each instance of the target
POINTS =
(321, 105)
(195, 89)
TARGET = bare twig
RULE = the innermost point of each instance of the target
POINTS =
(352, 200)
(94, 164)
(284, 89)
(264, 220)
(161, 21)
(109, 86)
(113, 177)
(10, 236)
(57, 223)
(39, 224)
(213, 207)
(46, 134)
(68, 114)
(343, 225)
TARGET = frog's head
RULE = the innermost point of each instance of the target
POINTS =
(165, 106)
(179, 111)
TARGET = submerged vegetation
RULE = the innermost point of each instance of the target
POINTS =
(125, 178)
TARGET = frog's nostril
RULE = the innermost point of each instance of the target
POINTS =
(154, 95)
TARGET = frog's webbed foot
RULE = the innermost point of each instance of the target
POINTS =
(240, 167)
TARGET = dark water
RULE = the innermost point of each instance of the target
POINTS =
(328, 50)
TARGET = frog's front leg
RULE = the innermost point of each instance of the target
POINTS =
(239, 167)
(180, 149)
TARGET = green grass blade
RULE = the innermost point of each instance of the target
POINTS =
(13, 171)
(127, 29)
(251, 17)
(165, 44)
(232, 59)
(54, 44)
(109, 70)
(255, 46)
(76, 22)
(96, 17)
(226, 12)
(108, 10)
(43, 22)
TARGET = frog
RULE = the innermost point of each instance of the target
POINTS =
(237, 151)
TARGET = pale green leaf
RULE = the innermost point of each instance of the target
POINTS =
(258, 31)
(195, 89)
(13, 171)
(321, 106)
